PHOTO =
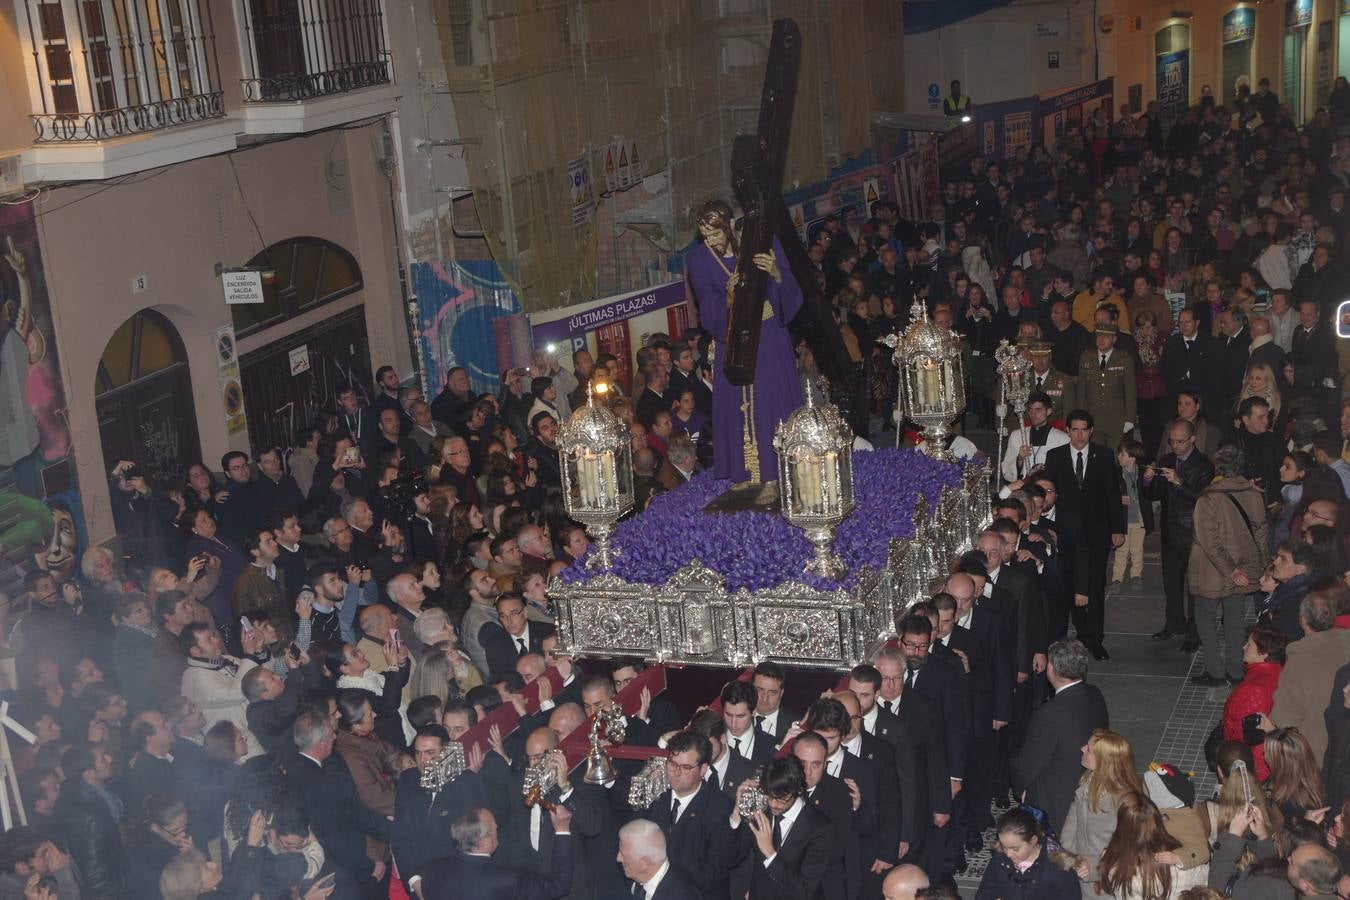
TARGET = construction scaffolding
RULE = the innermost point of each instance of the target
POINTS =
(633, 105)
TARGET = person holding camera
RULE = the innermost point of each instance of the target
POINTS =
(144, 518)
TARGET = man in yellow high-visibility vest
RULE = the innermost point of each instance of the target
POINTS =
(958, 104)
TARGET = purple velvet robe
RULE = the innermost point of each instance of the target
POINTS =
(777, 389)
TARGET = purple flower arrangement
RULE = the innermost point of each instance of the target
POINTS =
(756, 550)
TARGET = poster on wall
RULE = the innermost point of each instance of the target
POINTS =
(457, 305)
(620, 325)
(41, 519)
(1325, 66)
(1173, 81)
(1239, 25)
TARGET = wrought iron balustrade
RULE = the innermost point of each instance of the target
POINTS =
(103, 69)
(303, 49)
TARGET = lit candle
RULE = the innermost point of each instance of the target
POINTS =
(587, 475)
(810, 483)
(930, 383)
(609, 484)
(831, 482)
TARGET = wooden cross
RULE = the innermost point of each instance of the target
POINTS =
(757, 165)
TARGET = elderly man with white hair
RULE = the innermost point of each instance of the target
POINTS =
(642, 853)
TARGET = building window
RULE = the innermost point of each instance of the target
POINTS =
(301, 49)
(102, 69)
(308, 272)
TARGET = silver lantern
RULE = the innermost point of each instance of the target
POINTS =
(1014, 379)
(815, 474)
(932, 382)
(597, 472)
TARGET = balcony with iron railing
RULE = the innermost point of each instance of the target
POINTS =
(307, 61)
(107, 69)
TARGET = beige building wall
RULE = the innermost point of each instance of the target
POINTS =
(173, 226)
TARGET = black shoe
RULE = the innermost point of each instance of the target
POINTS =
(1190, 646)
(1099, 653)
(1166, 633)
(1204, 679)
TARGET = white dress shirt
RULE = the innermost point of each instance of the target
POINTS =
(745, 744)
(785, 825)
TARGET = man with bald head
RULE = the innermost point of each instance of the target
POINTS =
(903, 883)
(1263, 350)
(565, 719)
(376, 622)
(527, 832)
(642, 855)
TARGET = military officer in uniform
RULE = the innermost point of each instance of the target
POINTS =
(1106, 387)
(1048, 380)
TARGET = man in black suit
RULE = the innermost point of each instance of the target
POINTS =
(642, 853)
(422, 819)
(504, 644)
(472, 872)
(527, 834)
(865, 683)
(920, 758)
(771, 717)
(1177, 480)
(788, 842)
(1047, 769)
(661, 713)
(694, 816)
(835, 798)
(1025, 595)
(980, 636)
(1191, 359)
(875, 837)
(1236, 340)
(596, 693)
(726, 770)
(949, 690)
(1091, 522)
(739, 699)
(322, 785)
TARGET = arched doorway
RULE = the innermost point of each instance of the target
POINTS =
(143, 395)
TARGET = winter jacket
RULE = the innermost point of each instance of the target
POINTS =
(83, 819)
(1246, 886)
(365, 757)
(1043, 881)
(1309, 670)
(1086, 833)
(217, 691)
(1336, 767)
(1255, 694)
(1223, 543)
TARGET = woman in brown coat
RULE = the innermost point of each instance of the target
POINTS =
(372, 761)
(1228, 555)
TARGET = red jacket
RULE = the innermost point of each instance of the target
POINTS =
(1255, 694)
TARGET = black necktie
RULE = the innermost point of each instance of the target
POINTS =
(777, 832)
(520, 643)
(736, 744)
(759, 722)
(909, 678)
(675, 810)
(1078, 468)
(638, 892)
(1103, 362)
(886, 704)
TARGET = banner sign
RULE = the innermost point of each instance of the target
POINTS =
(563, 325)
(1239, 25)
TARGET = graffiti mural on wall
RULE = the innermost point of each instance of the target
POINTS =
(460, 306)
(41, 521)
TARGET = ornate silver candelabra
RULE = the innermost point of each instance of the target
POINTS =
(597, 472)
(932, 382)
(1014, 370)
(815, 473)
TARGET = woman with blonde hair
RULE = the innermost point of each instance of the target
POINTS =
(1134, 865)
(1110, 774)
(445, 672)
(1295, 782)
(1239, 788)
(1260, 382)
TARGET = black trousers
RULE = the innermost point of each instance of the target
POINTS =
(1174, 562)
(1086, 564)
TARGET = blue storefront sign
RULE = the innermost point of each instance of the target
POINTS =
(1174, 79)
(1239, 25)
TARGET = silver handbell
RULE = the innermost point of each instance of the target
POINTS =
(751, 800)
(609, 723)
(445, 769)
